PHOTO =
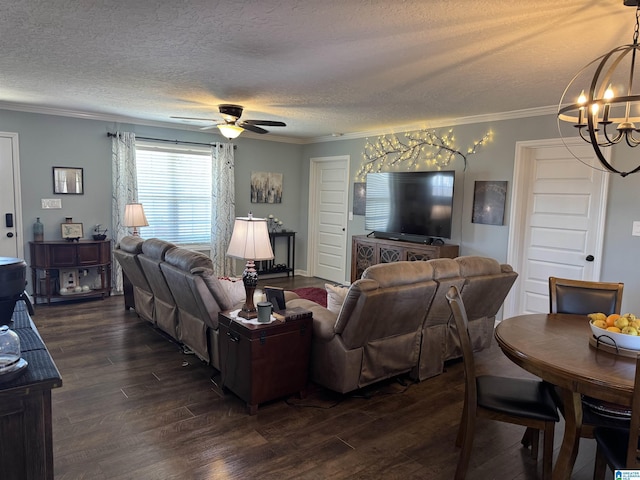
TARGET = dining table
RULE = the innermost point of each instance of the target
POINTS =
(557, 348)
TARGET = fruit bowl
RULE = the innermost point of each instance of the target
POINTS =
(629, 342)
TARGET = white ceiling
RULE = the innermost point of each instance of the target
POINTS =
(321, 66)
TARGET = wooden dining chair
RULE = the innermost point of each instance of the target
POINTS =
(518, 401)
(582, 297)
(618, 447)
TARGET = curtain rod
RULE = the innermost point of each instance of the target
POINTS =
(176, 142)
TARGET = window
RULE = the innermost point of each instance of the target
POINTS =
(174, 185)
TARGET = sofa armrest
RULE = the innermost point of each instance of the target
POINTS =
(289, 295)
(324, 320)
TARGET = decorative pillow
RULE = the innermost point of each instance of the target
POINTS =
(234, 288)
(335, 297)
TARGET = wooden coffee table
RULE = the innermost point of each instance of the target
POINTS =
(260, 363)
(556, 348)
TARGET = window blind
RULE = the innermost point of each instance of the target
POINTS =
(174, 185)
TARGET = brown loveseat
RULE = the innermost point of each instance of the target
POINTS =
(393, 320)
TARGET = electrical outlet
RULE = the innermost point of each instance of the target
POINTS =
(635, 231)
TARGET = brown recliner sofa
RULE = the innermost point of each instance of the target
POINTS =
(347, 356)
(165, 311)
(199, 297)
(189, 293)
(484, 284)
(126, 253)
(376, 334)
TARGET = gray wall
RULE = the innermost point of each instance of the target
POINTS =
(47, 140)
(495, 161)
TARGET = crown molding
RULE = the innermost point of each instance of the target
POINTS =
(104, 117)
(447, 122)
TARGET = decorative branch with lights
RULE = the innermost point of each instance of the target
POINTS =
(421, 148)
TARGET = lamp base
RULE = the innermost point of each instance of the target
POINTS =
(250, 280)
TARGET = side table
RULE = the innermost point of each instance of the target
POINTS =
(260, 363)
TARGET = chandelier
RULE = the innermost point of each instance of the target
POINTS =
(606, 112)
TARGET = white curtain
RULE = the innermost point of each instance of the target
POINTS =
(223, 207)
(125, 190)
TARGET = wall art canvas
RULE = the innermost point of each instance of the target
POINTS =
(489, 199)
(266, 187)
(359, 198)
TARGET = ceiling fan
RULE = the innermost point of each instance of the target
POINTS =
(231, 126)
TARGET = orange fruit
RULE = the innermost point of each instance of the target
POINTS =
(612, 318)
(614, 329)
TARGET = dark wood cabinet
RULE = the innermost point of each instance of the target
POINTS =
(367, 251)
(26, 441)
(260, 363)
(49, 258)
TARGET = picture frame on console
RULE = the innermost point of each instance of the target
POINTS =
(71, 231)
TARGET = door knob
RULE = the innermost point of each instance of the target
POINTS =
(10, 234)
(590, 258)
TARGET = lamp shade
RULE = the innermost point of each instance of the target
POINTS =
(230, 131)
(134, 215)
(250, 239)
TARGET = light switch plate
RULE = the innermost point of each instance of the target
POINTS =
(636, 229)
(51, 203)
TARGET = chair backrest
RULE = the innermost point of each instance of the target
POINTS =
(462, 326)
(582, 297)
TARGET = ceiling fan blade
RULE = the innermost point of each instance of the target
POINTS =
(210, 127)
(251, 128)
(267, 123)
(194, 118)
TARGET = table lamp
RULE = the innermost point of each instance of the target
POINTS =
(134, 217)
(250, 241)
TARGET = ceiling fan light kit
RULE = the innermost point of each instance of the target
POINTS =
(231, 127)
(230, 131)
(606, 108)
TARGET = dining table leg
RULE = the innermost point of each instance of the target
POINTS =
(572, 404)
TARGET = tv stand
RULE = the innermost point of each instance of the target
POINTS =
(367, 251)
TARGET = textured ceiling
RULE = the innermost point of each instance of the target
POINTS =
(321, 66)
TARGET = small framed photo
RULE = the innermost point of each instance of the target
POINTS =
(72, 231)
(68, 180)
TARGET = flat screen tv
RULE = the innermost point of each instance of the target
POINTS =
(411, 206)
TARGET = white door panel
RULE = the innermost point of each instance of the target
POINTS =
(556, 221)
(328, 200)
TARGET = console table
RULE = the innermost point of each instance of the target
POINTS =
(367, 251)
(269, 266)
(26, 444)
(50, 257)
(260, 363)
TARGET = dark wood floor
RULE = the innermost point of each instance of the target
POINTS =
(133, 406)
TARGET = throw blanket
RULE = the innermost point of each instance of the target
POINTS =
(315, 294)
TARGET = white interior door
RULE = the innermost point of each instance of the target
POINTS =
(11, 245)
(557, 220)
(328, 203)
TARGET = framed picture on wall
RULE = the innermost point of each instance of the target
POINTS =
(359, 198)
(489, 199)
(266, 187)
(68, 180)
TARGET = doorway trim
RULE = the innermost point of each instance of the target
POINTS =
(312, 226)
(518, 217)
(17, 195)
